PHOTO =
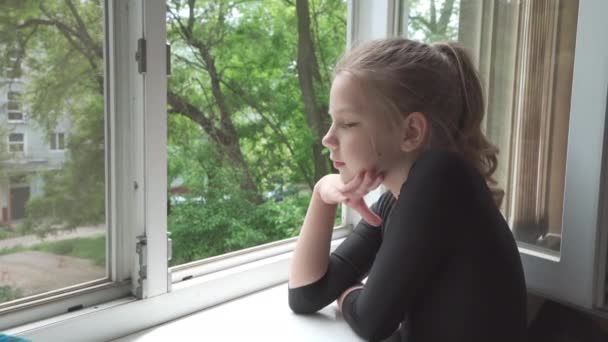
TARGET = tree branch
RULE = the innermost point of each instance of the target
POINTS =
(446, 14)
(179, 105)
(85, 36)
(251, 103)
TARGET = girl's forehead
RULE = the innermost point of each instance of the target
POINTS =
(346, 95)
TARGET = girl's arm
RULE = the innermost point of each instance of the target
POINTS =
(310, 258)
(317, 278)
(311, 255)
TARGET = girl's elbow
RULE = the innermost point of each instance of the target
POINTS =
(299, 306)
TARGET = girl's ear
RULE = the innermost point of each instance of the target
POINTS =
(415, 129)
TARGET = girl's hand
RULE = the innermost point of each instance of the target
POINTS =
(332, 190)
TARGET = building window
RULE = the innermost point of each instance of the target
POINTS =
(58, 142)
(12, 68)
(16, 142)
(15, 112)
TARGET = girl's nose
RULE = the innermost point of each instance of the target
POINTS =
(329, 140)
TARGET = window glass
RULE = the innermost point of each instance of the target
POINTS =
(524, 51)
(16, 142)
(52, 206)
(58, 142)
(247, 97)
(14, 106)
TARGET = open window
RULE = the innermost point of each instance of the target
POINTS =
(537, 62)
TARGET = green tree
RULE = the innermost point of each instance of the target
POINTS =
(247, 98)
(433, 20)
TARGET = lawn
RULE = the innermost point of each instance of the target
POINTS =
(93, 248)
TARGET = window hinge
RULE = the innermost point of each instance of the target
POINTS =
(141, 249)
(140, 55)
(169, 247)
(168, 52)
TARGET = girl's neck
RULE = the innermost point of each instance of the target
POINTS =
(395, 178)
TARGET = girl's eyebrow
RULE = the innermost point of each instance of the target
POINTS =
(343, 110)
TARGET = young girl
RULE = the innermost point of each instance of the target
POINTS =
(441, 262)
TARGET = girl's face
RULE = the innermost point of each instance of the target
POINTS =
(358, 139)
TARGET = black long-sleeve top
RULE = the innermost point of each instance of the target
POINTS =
(443, 266)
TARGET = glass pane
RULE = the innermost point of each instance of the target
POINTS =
(524, 51)
(60, 141)
(244, 149)
(52, 206)
(18, 147)
(15, 116)
(15, 137)
(54, 142)
(14, 101)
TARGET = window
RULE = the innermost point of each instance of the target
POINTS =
(16, 142)
(244, 148)
(14, 109)
(536, 62)
(11, 62)
(140, 145)
(526, 72)
(61, 210)
(58, 142)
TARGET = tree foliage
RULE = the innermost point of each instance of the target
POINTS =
(240, 123)
(433, 20)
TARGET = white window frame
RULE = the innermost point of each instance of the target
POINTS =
(28, 314)
(577, 275)
(14, 111)
(12, 143)
(219, 279)
(55, 140)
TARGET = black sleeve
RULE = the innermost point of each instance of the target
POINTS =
(348, 264)
(420, 230)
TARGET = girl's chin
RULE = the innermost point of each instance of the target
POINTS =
(346, 176)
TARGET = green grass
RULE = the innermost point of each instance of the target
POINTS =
(86, 248)
(8, 293)
(93, 249)
(5, 234)
(12, 250)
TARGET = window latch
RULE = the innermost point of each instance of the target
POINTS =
(140, 55)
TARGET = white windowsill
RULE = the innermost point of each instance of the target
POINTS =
(261, 316)
(242, 287)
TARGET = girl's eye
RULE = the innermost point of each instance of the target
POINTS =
(349, 125)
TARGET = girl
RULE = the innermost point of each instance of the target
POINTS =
(440, 260)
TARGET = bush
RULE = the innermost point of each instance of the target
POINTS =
(203, 230)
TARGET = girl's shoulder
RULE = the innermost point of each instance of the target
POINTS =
(443, 172)
(440, 161)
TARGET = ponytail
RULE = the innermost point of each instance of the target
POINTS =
(469, 137)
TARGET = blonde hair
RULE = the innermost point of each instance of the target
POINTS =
(438, 80)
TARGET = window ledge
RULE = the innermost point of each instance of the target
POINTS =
(112, 320)
(263, 316)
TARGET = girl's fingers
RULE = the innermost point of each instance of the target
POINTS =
(340, 197)
(376, 183)
(367, 214)
(370, 182)
(353, 184)
(369, 179)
